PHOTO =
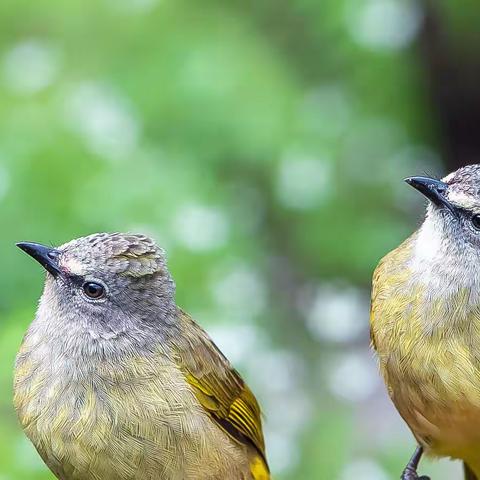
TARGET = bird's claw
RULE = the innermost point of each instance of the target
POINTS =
(410, 472)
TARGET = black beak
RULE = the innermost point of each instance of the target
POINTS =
(47, 257)
(434, 190)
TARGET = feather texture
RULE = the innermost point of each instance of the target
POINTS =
(220, 389)
(425, 328)
(179, 412)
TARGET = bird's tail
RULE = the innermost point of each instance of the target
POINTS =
(469, 475)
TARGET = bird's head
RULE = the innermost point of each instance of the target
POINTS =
(453, 212)
(109, 283)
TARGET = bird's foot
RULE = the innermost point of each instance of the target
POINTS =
(410, 472)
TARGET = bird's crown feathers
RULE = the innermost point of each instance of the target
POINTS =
(122, 254)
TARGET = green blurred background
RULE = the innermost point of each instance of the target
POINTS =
(263, 144)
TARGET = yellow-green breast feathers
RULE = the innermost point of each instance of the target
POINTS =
(427, 346)
(61, 431)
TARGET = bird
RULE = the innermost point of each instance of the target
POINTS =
(425, 322)
(114, 381)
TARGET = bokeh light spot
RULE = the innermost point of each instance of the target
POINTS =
(303, 181)
(30, 66)
(200, 227)
(384, 24)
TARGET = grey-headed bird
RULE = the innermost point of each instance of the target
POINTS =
(114, 381)
(425, 322)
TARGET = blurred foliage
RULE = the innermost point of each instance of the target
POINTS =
(263, 145)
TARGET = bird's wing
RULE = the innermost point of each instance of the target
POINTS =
(389, 272)
(220, 389)
(376, 282)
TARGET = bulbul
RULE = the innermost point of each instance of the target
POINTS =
(113, 381)
(425, 322)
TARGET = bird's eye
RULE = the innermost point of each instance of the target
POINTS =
(476, 221)
(94, 290)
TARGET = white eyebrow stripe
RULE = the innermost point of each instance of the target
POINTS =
(463, 200)
(448, 177)
(73, 266)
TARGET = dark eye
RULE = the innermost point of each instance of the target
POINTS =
(93, 290)
(476, 221)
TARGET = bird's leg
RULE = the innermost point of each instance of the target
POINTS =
(410, 472)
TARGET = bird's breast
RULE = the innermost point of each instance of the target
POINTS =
(117, 419)
(429, 355)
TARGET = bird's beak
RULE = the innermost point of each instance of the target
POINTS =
(47, 257)
(434, 190)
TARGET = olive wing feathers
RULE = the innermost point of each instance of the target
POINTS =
(219, 388)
